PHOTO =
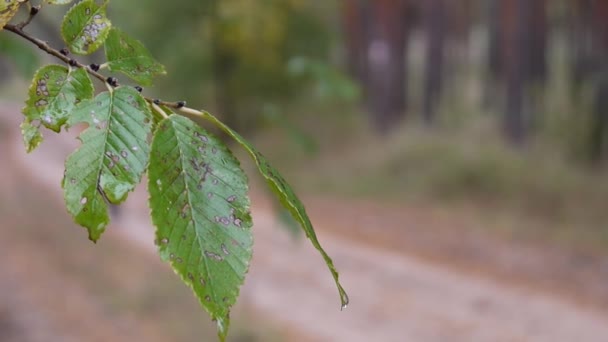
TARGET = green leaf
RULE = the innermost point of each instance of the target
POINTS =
(85, 27)
(112, 158)
(286, 196)
(129, 56)
(8, 9)
(58, 2)
(199, 203)
(54, 93)
(31, 136)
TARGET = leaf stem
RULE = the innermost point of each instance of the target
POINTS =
(194, 112)
(110, 89)
(159, 110)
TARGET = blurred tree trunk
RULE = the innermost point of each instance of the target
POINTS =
(376, 35)
(223, 63)
(589, 46)
(223, 68)
(495, 36)
(586, 27)
(516, 34)
(599, 129)
(494, 68)
(354, 30)
(386, 63)
(436, 22)
(518, 58)
(597, 11)
(537, 30)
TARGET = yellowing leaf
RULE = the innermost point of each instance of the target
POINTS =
(8, 9)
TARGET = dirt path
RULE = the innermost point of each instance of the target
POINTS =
(394, 296)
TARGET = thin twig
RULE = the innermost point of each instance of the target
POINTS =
(44, 46)
(33, 10)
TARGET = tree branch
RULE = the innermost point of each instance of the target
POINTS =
(33, 11)
(91, 69)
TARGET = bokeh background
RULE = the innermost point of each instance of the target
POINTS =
(452, 155)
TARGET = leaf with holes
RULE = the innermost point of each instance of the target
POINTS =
(112, 158)
(53, 94)
(8, 9)
(129, 56)
(85, 27)
(287, 197)
(31, 136)
(199, 203)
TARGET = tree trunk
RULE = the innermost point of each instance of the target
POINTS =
(516, 34)
(435, 20)
(496, 37)
(599, 129)
(386, 63)
(581, 28)
(354, 28)
(223, 67)
(537, 29)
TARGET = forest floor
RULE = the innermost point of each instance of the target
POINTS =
(414, 273)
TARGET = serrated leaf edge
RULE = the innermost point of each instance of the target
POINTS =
(302, 218)
(223, 323)
(135, 78)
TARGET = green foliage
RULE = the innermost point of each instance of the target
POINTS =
(329, 83)
(237, 50)
(198, 192)
(199, 203)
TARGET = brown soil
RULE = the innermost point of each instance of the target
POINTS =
(413, 273)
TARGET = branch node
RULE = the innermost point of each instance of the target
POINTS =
(139, 89)
(64, 51)
(156, 101)
(112, 81)
(73, 63)
(181, 104)
(34, 10)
